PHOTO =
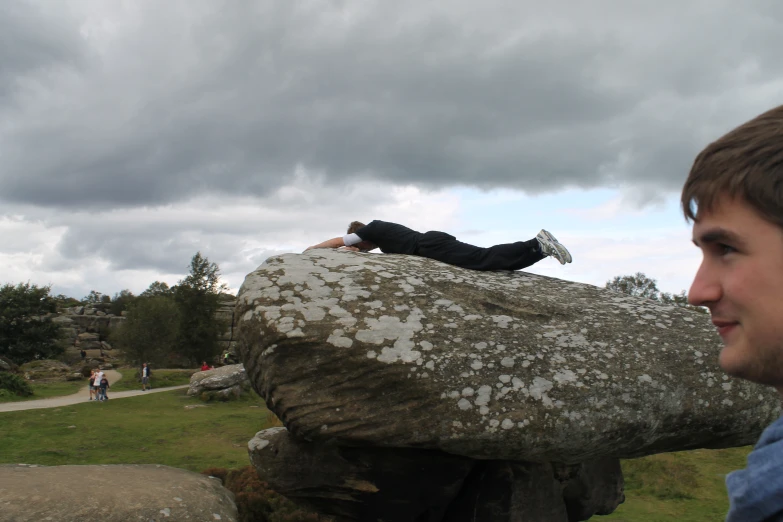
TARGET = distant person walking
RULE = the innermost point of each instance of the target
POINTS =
(205, 366)
(145, 377)
(392, 238)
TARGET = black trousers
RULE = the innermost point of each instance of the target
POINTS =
(510, 256)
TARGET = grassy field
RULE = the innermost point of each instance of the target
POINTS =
(46, 390)
(154, 428)
(687, 486)
(159, 379)
(158, 428)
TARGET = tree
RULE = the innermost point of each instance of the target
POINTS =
(121, 301)
(93, 298)
(63, 301)
(640, 285)
(26, 333)
(198, 299)
(157, 288)
(680, 299)
(149, 332)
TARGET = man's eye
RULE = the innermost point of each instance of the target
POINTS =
(726, 249)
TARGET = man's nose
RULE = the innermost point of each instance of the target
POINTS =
(705, 288)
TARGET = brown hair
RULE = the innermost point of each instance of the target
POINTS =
(354, 226)
(364, 246)
(746, 163)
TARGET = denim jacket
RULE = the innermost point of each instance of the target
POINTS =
(756, 492)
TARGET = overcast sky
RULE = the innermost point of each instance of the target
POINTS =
(134, 133)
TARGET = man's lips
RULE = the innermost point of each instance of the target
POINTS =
(724, 327)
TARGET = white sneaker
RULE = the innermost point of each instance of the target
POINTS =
(550, 246)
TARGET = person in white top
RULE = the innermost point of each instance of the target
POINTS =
(97, 381)
(145, 377)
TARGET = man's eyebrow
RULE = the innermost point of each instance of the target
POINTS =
(718, 235)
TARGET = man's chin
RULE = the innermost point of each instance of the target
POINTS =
(733, 364)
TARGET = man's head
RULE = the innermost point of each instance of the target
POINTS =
(734, 196)
(364, 246)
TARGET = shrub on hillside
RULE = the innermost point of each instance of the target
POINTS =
(15, 384)
(256, 502)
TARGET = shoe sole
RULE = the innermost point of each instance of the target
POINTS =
(558, 245)
(549, 249)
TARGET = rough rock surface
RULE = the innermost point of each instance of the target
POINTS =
(45, 369)
(401, 351)
(79, 320)
(220, 383)
(120, 493)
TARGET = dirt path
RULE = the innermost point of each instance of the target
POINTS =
(82, 395)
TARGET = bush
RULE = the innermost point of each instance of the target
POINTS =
(256, 502)
(15, 384)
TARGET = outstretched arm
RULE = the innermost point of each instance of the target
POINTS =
(336, 242)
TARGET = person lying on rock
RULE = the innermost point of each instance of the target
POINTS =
(392, 238)
(734, 196)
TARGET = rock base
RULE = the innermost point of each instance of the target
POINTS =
(393, 484)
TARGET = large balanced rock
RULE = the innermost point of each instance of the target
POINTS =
(116, 493)
(224, 382)
(402, 351)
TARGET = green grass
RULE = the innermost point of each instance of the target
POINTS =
(687, 486)
(150, 429)
(159, 379)
(48, 389)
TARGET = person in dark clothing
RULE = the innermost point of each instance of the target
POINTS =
(392, 238)
(104, 385)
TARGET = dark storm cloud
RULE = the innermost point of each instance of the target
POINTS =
(166, 100)
(32, 42)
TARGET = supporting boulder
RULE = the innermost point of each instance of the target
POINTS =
(400, 485)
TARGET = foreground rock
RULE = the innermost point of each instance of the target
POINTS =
(120, 493)
(222, 383)
(401, 351)
(408, 484)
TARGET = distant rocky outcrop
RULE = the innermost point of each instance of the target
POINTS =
(116, 493)
(531, 387)
(86, 327)
(222, 383)
(225, 313)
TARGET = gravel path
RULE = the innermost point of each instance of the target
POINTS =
(82, 395)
